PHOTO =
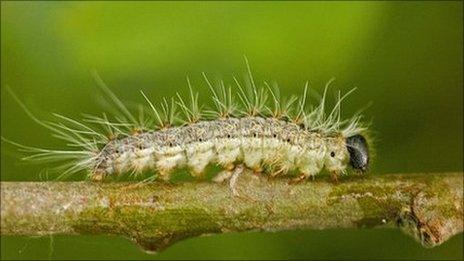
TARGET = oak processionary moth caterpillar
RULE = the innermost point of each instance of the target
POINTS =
(251, 128)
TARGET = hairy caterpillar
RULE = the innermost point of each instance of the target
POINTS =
(277, 136)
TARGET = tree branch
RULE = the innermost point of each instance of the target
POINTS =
(427, 206)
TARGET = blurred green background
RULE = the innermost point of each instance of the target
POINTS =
(404, 57)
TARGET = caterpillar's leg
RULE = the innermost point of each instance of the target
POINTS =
(334, 176)
(198, 174)
(164, 174)
(257, 170)
(278, 172)
(97, 176)
(302, 177)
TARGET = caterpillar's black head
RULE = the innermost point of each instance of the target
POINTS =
(359, 152)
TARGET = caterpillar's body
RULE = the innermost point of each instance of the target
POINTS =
(278, 138)
(255, 141)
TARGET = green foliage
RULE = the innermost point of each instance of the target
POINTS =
(404, 57)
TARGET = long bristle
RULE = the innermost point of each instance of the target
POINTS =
(192, 111)
(223, 100)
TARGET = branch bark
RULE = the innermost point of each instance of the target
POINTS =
(428, 207)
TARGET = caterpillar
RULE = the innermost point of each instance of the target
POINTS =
(250, 128)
